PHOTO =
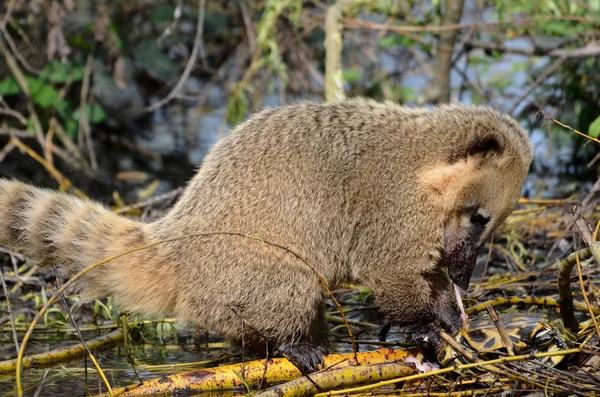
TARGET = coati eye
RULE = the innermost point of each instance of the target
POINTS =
(478, 219)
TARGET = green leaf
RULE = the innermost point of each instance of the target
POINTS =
(594, 129)
(95, 113)
(59, 72)
(237, 109)
(41, 93)
(30, 125)
(9, 86)
(162, 13)
(352, 75)
(557, 28)
(64, 109)
(396, 39)
(159, 66)
(71, 128)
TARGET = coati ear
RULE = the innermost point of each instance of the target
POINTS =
(445, 182)
(490, 143)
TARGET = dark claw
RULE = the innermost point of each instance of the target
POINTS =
(384, 330)
(426, 336)
(305, 356)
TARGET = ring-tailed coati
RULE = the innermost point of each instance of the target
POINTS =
(400, 199)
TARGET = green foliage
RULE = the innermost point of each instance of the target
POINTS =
(164, 331)
(562, 28)
(352, 75)
(162, 13)
(108, 311)
(594, 129)
(42, 94)
(58, 319)
(95, 113)
(237, 109)
(149, 57)
(9, 86)
(392, 40)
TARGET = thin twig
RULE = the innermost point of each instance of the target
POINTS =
(81, 338)
(60, 178)
(352, 23)
(587, 302)
(501, 330)
(150, 201)
(40, 386)
(15, 114)
(568, 127)
(176, 19)
(334, 80)
(555, 65)
(190, 64)
(9, 312)
(85, 138)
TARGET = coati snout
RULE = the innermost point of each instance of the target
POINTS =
(400, 199)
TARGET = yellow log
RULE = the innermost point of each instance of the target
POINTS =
(277, 370)
(333, 379)
(62, 354)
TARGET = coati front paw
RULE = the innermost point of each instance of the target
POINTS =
(428, 338)
(305, 356)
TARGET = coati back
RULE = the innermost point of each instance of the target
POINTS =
(400, 199)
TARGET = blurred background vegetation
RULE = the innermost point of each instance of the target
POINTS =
(121, 100)
(128, 96)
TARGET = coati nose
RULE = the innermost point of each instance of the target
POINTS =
(461, 280)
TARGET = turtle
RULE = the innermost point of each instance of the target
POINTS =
(529, 332)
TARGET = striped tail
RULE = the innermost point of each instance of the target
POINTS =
(51, 227)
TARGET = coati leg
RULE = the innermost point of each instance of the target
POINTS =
(235, 279)
(307, 353)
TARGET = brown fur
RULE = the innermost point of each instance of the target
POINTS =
(363, 190)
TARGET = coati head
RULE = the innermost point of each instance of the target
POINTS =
(477, 186)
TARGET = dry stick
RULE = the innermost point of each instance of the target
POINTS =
(469, 355)
(16, 132)
(81, 338)
(145, 203)
(9, 312)
(7, 13)
(445, 47)
(568, 127)
(40, 386)
(587, 237)
(190, 64)
(538, 81)
(334, 79)
(22, 81)
(66, 285)
(62, 353)
(342, 377)
(587, 302)
(250, 30)
(238, 89)
(360, 24)
(68, 143)
(501, 330)
(60, 178)
(15, 50)
(567, 311)
(176, 19)
(483, 364)
(15, 114)
(84, 120)
(529, 300)
(524, 200)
